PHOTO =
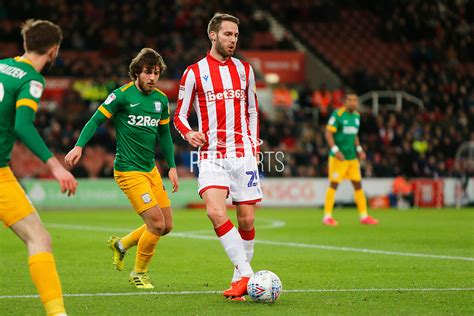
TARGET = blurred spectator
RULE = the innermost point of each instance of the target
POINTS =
(337, 97)
(322, 99)
(402, 191)
(282, 97)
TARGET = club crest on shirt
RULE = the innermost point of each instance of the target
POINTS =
(242, 76)
(181, 92)
(146, 198)
(109, 99)
(36, 89)
(158, 106)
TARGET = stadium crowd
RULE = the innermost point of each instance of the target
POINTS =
(414, 142)
(411, 142)
(116, 31)
(441, 37)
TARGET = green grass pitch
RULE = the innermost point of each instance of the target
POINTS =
(414, 262)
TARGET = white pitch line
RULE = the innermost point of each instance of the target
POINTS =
(273, 224)
(273, 243)
(335, 248)
(452, 289)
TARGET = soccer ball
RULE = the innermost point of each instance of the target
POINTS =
(264, 287)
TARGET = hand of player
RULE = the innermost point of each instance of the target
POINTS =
(72, 157)
(362, 155)
(173, 176)
(66, 180)
(196, 139)
(339, 156)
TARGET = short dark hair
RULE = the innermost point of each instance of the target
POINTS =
(216, 22)
(351, 92)
(148, 58)
(40, 35)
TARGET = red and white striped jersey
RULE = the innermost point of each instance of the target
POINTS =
(223, 95)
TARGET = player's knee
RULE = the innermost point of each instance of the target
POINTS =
(156, 225)
(41, 241)
(216, 217)
(168, 229)
(357, 185)
(215, 211)
(156, 228)
(246, 221)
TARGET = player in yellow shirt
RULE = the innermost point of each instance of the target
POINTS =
(341, 135)
(21, 87)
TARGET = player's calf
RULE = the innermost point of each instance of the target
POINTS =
(41, 243)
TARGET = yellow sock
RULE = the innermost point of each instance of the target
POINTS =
(145, 251)
(361, 202)
(131, 239)
(46, 279)
(329, 203)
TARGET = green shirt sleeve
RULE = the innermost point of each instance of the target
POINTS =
(166, 144)
(333, 123)
(105, 111)
(166, 141)
(112, 104)
(27, 133)
(30, 93)
(26, 106)
(90, 128)
(165, 114)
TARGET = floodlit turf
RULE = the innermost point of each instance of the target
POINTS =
(190, 260)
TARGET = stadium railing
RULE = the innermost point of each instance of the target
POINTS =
(376, 98)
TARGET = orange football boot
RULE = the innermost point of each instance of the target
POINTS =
(237, 288)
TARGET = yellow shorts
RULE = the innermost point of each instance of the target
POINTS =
(14, 203)
(344, 170)
(143, 189)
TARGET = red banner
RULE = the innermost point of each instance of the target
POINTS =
(288, 65)
(428, 192)
(170, 88)
(56, 87)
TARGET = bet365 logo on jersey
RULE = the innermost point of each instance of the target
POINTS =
(227, 94)
(140, 120)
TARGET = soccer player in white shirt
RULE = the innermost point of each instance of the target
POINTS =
(222, 91)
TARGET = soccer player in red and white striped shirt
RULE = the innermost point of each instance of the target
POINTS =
(221, 89)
